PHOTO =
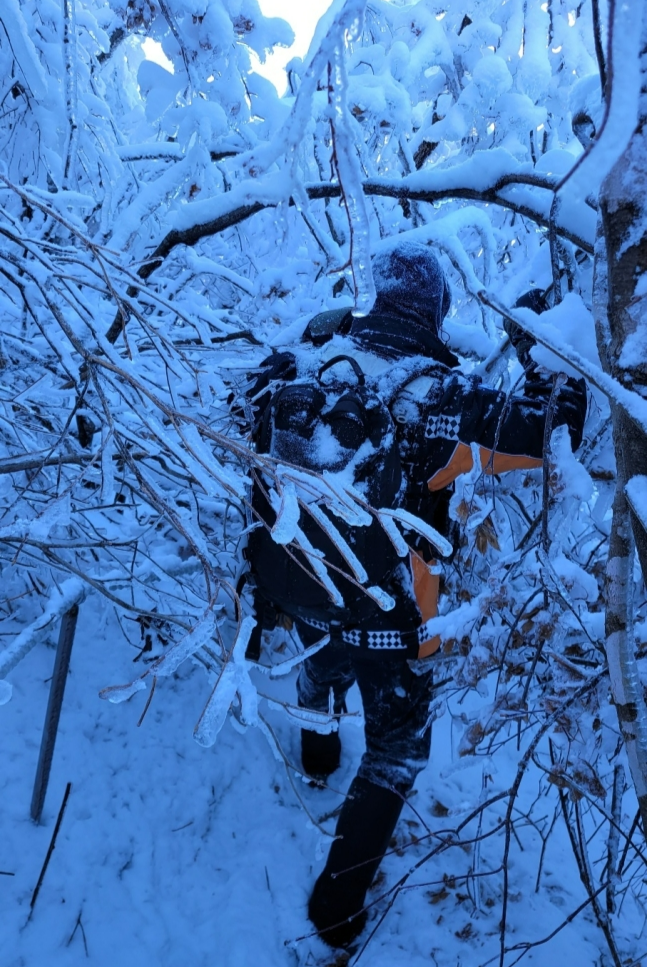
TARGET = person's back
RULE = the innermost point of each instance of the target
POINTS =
(438, 417)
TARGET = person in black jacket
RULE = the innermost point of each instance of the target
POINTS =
(438, 417)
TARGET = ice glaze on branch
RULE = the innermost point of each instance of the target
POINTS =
(251, 197)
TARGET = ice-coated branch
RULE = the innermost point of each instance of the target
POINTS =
(614, 835)
(30, 461)
(622, 99)
(343, 20)
(23, 49)
(350, 182)
(169, 150)
(203, 219)
(71, 90)
(630, 402)
(71, 593)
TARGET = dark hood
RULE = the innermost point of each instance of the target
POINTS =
(413, 298)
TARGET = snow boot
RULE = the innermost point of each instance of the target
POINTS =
(320, 754)
(364, 829)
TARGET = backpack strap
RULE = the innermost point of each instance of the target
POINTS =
(325, 325)
(420, 367)
(361, 379)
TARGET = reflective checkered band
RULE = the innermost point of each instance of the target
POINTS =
(442, 427)
(375, 640)
(321, 625)
(424, 634)
(384, 639)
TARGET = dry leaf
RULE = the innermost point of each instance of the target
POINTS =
(486, 536)
(438, 896)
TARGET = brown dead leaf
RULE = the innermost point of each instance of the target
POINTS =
(514, 670)
(437, 896)
(486, 536)
(438, 809)
(471, 738)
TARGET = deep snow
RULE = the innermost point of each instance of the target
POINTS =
(174, 855)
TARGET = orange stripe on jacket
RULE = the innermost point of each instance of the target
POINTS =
(425, 587)
(461, 462)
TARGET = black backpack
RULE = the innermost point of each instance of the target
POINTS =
(339, 424)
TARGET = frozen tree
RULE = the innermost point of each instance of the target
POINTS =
(163, 227)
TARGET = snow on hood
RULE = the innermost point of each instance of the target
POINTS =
(410, 283)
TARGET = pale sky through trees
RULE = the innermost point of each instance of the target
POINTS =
(303, 18)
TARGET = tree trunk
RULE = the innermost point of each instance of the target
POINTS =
(626, 686)
(620, 276)
(623, 205)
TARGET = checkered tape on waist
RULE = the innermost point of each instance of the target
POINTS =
(380, 640)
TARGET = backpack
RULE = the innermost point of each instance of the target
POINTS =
(337, 424)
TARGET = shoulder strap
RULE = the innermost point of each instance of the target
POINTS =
(361, 380)
(325, 325)
(424, 367)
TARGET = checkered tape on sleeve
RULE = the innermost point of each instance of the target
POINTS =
(442, 427)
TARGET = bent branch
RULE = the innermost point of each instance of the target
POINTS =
(499, 194)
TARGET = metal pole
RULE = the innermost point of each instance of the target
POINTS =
(53, 714)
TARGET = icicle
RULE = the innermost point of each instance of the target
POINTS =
(107, 467)
(121, 693)
(71, 92)
(6, 691)
(234, 678)
(315, 559)
(342, 546)
(350, 179)
(287, 514)
(411, 522)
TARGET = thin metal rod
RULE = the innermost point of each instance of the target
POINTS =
(53, 714)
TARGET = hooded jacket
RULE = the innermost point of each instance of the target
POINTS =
(439, 416)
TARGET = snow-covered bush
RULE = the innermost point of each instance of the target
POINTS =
(165, 225)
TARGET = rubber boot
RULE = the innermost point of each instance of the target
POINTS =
(320, 754)
(365, 826)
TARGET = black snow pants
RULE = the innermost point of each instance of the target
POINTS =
(395, 700)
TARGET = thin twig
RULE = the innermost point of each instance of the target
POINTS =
(148, 701)
(50, 850)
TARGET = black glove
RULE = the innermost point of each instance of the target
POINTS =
(522, 341)
(571, 400)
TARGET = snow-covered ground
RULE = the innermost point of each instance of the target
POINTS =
(172, 855)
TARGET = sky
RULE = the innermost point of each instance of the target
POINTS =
(302, 17)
